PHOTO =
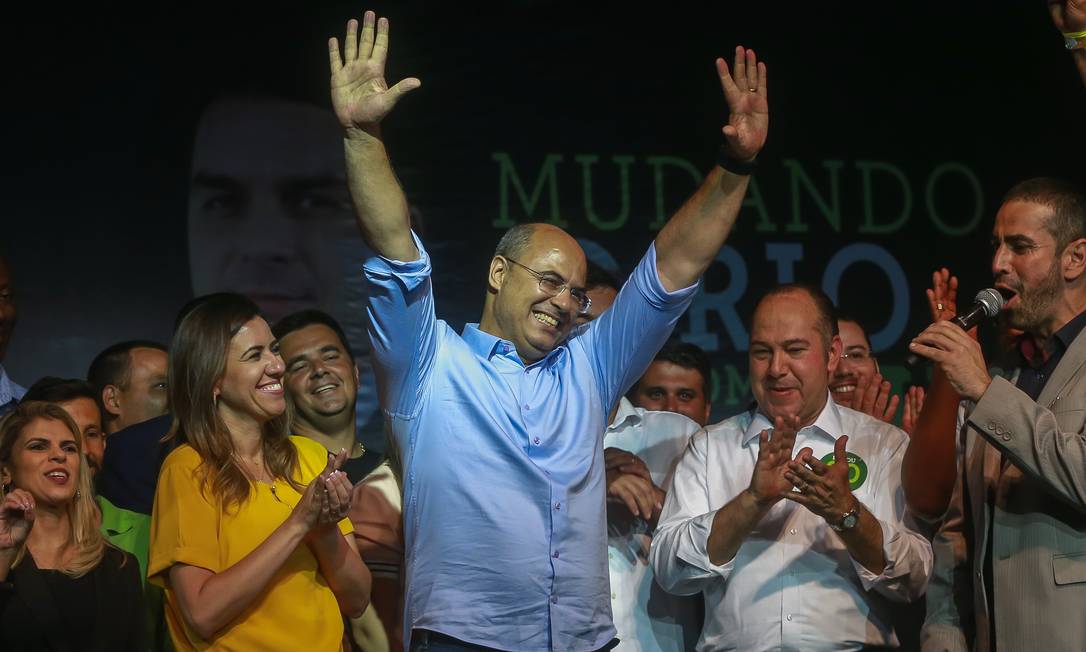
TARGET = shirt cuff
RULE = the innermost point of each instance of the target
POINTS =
(647, 279)
(411, 273)
(868, 579)
(693, 546)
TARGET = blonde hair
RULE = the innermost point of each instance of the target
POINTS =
(197, 361)
(83, 516)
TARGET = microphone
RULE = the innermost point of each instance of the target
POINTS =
(986, 305)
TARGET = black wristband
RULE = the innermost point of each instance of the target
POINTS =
(725, 160)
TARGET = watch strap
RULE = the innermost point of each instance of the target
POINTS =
(725, 160)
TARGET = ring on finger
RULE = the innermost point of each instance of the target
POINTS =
(938, 306)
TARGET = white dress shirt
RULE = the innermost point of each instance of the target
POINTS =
(648, 619)
(792, 584)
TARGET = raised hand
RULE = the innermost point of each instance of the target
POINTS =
(16, 518)
(943, 295)
(875, 398)
(745, 91)
(1068, 15)
(360, 96)
(914, 402)
(823, 488)
(768, 483)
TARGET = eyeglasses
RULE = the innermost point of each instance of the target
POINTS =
(553, 286)
(857, 355)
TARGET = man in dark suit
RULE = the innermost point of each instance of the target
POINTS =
(1011, 553)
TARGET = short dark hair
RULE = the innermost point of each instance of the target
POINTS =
(598, 277)
(827, 314)
(51, 389)
(59, 390)
(515, 241)
(688, 356)
(299, 320)
(1068, 204)
(844, 316)
(113, 366)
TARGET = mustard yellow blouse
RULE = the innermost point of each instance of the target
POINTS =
(297, 611)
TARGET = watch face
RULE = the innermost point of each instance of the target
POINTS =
(1070, 43)
(849, 521)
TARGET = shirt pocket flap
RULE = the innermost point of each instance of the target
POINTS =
(1069, 568)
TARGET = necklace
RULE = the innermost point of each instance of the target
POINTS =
(255, 477)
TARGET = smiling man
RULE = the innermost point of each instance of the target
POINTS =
(1020, 495)
(322, 381)
(676, 381)
(501, 426)
(803, 553)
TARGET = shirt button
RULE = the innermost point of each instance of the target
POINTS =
(788, 617)
(1007, 436)
(557, 505)
(527, 407)
(536, 441)
(554, 599)
(614, 597)
(792, 531)
(556, 554)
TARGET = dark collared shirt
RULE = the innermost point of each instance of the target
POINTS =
(1036, 370)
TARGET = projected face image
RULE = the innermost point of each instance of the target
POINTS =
(269, 215)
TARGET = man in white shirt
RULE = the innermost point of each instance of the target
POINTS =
(647, 618)
(820, 569)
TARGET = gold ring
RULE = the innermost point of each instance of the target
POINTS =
(939, 306)
(753, 90)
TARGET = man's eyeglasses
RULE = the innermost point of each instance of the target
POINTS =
(553, 286)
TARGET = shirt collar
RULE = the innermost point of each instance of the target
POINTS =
(1071, 329)
(487, 346)
(627, 415)
(827, 425)
(1056, 345)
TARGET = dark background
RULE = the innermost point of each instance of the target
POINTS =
(101, 102)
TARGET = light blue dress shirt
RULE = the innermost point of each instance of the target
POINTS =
(10, 392)
(504, 481)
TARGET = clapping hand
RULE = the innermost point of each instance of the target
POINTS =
(1068, 15)
(822, 488)
(327, 498)
(768, 483)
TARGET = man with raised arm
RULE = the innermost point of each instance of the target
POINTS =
(501, 426)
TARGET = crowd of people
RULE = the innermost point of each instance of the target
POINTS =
(216, 492)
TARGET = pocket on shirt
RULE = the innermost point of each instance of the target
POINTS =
(1069, 568)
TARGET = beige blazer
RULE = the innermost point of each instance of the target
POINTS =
(1022, 482)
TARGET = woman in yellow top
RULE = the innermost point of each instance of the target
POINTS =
(248, 535)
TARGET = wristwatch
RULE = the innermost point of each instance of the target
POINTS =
(850, 519)
(1074, 40)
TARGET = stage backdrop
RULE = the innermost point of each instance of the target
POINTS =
(151, 156)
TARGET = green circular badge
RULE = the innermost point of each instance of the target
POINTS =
(857, 469)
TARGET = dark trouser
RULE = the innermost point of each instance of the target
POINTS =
(426, 641)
